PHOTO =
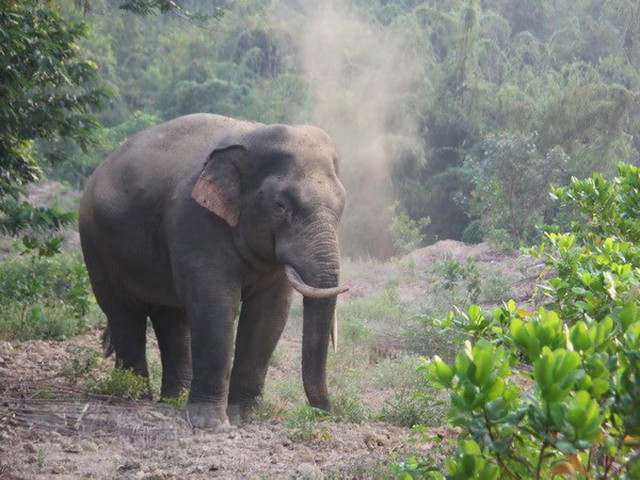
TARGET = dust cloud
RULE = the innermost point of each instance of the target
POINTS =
(363, 75)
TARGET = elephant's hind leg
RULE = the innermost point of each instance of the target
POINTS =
(172, 332)
(128, 328)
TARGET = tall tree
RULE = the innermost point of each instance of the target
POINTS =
(47, 92)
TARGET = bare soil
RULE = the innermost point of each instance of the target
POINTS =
(52, 428)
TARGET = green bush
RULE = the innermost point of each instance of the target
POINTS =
(121, 383)
(407, 234)
(306, 423)
(556, 392)
(80, 363)
(43, 298)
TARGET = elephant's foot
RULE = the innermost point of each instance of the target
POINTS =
(241, 412)
(204, 415)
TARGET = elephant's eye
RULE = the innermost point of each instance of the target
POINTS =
(280, 208)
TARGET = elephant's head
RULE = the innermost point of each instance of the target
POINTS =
(277, 187)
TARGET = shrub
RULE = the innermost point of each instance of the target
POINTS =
(407, 234)
(556, 392)
(80, 363)
(43, 298)
(121, 383)
(306, 423)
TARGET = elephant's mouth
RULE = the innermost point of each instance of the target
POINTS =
(314, 292)
(307, 290)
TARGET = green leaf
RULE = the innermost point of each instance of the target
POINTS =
(579, 335)
(444, 373)
(629, 314)
(483, 361)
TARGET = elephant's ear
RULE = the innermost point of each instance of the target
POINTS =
(218, 186)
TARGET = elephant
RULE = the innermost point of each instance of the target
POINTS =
(203, 217)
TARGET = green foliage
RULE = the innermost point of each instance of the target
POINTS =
(555, 392)
(77, 165)
(45, 298)
(305, 423)
(156, 7)
(81, 363)
(511, 186)
(459, 278)
(48, 92)
(407, 234)
(37, 226)
(120, 383)
(408, 408)
(178, 402)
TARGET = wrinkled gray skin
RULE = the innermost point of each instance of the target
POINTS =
(190, 219)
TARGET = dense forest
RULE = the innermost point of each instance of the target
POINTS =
(452, 117)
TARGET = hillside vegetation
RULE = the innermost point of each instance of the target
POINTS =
(458, 114)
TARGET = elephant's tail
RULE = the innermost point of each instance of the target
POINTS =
(107, 343)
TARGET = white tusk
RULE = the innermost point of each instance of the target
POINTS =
(334, 332)
(308, 291)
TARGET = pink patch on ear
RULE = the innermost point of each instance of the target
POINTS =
(207, 194)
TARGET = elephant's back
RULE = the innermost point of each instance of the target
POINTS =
(174, 146)
(146, 170)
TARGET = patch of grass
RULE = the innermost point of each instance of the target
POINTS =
(155, 370)
(267, 408)
(496, 288)
(48, 322)
(80, 363)
(396, 373)
(41, 459)
(305, 423)
(288, 391)
(179, 402)
(44, 298)
(348, 408)
(121, 383)
(405, 407)
(408, 408)
(362, 319)
(362, 468)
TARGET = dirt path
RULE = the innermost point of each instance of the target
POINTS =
(49, 427)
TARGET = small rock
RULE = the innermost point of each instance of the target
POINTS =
(373, 440)
(71, 448)
(305, 456)
(58, 470)
(159, 475)
(276, 450)
(30, 448)
(129, 466)
(88, 446)
(308, 471)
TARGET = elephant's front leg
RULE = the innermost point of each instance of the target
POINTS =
(211, 315)
(262, 320)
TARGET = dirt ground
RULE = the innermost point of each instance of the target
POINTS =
(51, 428)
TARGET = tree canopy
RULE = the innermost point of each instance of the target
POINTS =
(48, 91)
(455, 115)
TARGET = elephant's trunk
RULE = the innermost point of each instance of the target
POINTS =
(319, 267)
(318, 319)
